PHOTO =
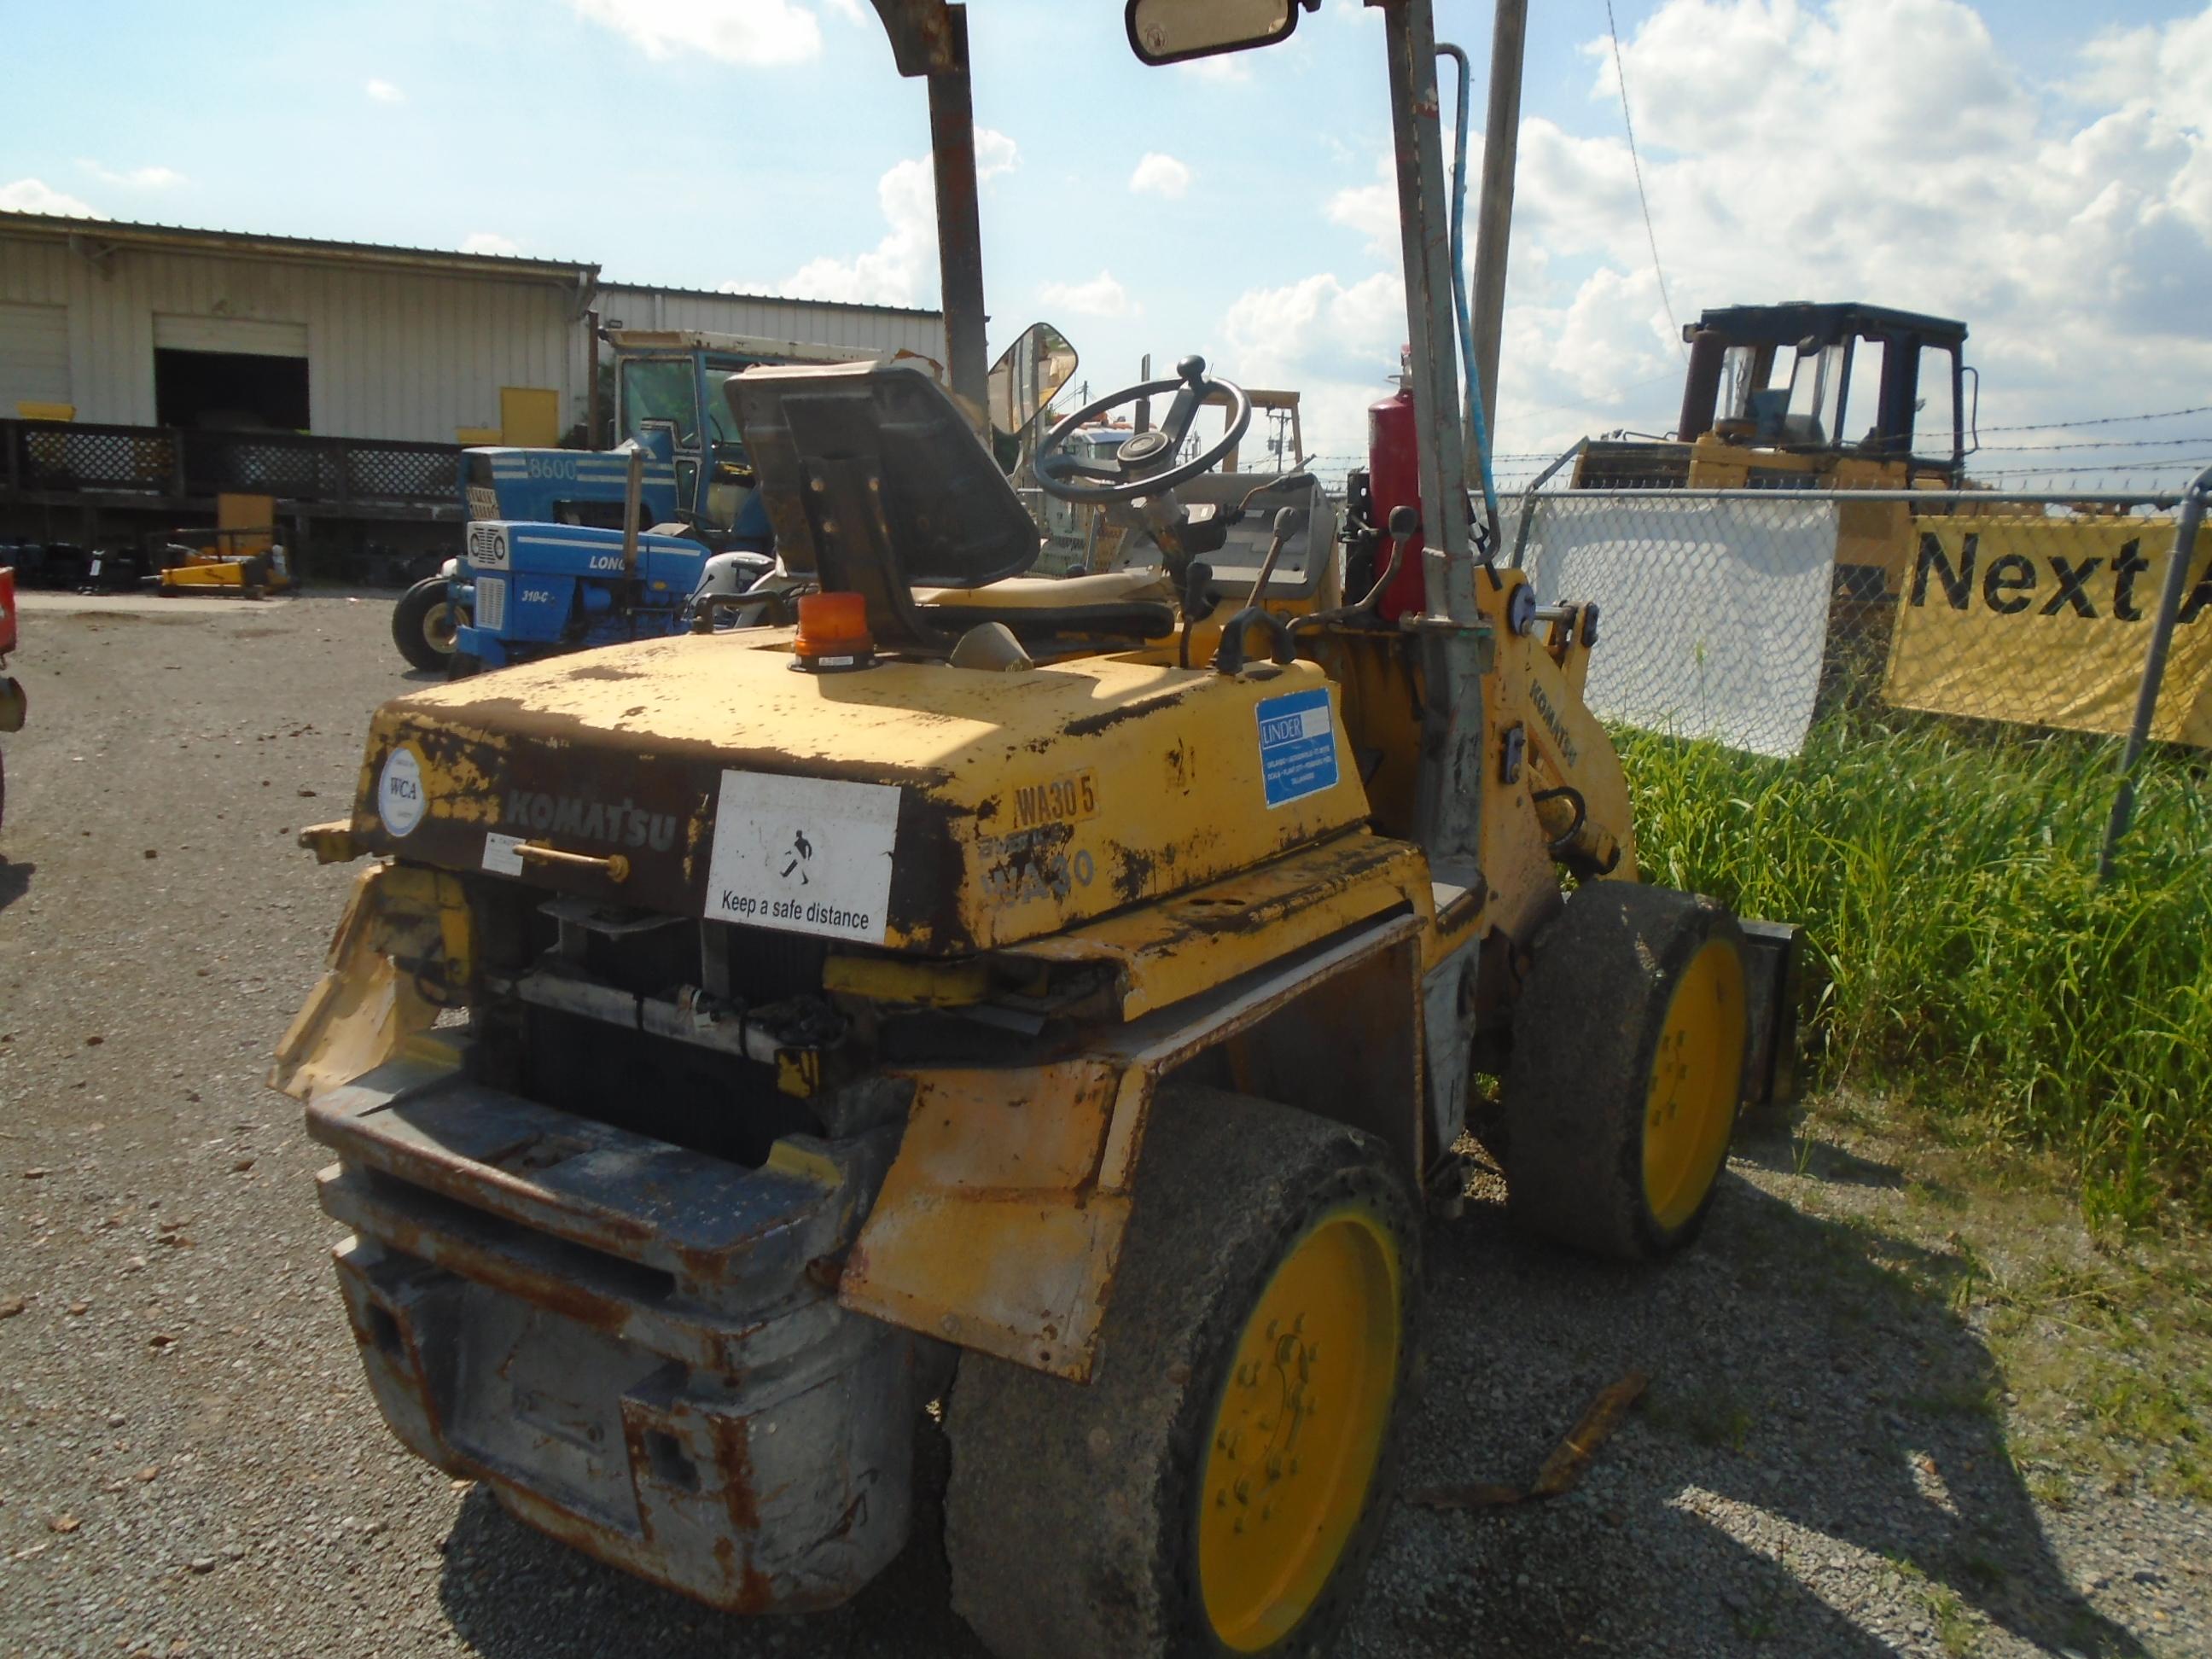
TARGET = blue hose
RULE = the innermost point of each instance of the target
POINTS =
(1476, 420)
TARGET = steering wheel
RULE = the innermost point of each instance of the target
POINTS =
(1145, 464)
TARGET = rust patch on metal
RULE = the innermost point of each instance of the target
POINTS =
(734, 1456)
(1089, 726)
(1132, 873)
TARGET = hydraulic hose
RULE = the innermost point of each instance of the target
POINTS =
(1477, 416)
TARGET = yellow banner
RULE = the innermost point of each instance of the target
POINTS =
(2045, 622)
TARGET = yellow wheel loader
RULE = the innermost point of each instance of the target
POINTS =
(1060, 998)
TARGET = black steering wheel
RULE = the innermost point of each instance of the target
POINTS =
(1145, 464)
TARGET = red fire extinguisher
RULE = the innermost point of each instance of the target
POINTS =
(1394, 479)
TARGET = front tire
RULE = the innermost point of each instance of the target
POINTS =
(1629, 1044)
(424, 624)
(1220, 1483)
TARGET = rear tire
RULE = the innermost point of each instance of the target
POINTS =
(1220, 1483)
(423, 624)
(1629, 1045)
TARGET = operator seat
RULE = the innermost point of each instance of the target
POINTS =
(875, 484)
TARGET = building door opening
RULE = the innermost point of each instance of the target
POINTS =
(233, 390)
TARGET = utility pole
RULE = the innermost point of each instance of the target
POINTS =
(1508, 43)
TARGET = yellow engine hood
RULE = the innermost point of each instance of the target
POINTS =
(915, 806)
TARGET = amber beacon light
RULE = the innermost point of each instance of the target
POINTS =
(833, 633)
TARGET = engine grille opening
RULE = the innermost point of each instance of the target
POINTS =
(650, 1085)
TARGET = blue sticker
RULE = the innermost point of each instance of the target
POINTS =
(1297, 745)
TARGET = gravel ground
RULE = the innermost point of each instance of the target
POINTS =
(1827, 1462)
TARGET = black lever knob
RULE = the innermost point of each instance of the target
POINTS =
(1405, 522)
(1192, 368)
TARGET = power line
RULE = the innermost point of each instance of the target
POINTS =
(2109, 420)
(1620, 76)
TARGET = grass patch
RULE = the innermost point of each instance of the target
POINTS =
(1960, 952)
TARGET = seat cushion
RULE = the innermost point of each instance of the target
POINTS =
(1056, 593)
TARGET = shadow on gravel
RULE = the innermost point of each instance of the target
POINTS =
(15, 881)
(1779, 1155)
(1809, 1407)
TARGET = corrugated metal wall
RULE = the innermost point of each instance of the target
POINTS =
(391, 353)
(775, 319)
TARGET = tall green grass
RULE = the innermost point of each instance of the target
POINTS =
(1960, 947)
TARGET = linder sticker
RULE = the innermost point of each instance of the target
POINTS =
(1297, 745)
(803, 855)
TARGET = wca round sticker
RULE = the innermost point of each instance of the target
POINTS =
(400, 800)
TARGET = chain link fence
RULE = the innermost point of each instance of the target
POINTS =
(1743, 616)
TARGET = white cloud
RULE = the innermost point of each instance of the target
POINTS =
(901, 269)
(490, 241)
(2069, 226)
(1223, 66)
(1372, 209)
(1159, 174)
(383, 92)
(750, 32)
(155, 178)
(33, 196)
(1101, 296)
(1338, 344)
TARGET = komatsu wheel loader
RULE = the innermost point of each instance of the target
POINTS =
(1057, 999)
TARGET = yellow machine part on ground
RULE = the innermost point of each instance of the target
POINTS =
(2045, 622)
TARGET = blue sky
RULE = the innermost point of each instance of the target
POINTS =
(2042, 173)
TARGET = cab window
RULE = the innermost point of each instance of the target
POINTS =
(661, 389)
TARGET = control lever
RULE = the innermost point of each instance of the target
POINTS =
(1229, 658)
(1405, 525)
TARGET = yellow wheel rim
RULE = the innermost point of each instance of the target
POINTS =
(1296, 1437)
(1697, 1076)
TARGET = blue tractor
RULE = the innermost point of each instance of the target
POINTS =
(568, 549)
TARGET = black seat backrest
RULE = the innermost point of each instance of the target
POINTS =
(875, 483)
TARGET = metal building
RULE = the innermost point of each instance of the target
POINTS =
(824, 322)
(147, 369)
(153, 325)
(148, 326)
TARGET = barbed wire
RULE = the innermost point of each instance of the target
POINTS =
(2100, 466)
(2106, 443)
(2107, 420)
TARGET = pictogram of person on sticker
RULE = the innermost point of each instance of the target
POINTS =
(801, 851)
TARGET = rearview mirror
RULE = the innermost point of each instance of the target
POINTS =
(1029, 374)
(1169, 31)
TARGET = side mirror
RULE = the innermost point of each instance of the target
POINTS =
(1028, 375)
(1169, 31)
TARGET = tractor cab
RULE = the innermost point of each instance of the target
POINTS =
(1803, 394)
(667, 387)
